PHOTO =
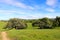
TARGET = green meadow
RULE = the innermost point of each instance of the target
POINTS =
(28, 34)
(31, 33)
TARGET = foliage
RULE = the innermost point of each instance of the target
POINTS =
(57, 20)
(43, 23)
(16, 23)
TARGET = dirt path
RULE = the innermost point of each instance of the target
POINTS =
(4, 36)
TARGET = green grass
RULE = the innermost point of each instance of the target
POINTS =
(32, 33)
(30, 26)
(2, 25)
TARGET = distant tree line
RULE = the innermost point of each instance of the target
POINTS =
(43, 23)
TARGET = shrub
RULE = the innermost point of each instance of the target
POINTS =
(43, 23)
(16, 23)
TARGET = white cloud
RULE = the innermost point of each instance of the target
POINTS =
(30, 16)
(49, 16)
(51, 2)
(34, 16)
(50, 10)
(12, 14)
(37, 7)
(8, 12)
(16, 3)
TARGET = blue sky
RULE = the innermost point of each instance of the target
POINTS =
(29, 9)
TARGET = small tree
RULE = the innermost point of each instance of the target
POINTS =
(16, 23)
(43, 23)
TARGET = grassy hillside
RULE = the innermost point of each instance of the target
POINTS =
(2, 25)
(32, 33)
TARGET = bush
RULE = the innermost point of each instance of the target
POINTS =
(16, 23)
(43, 23)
